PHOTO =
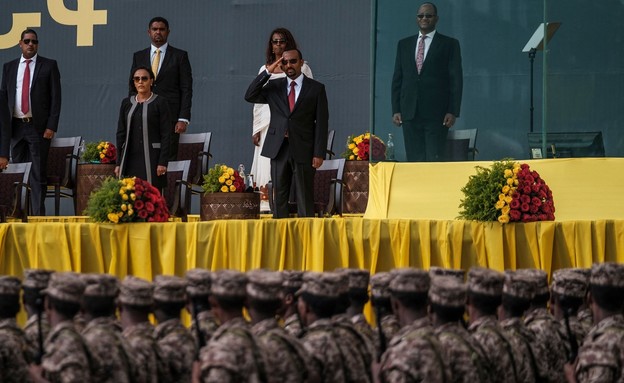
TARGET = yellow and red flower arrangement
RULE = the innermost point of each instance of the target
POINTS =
(100, 152)
(364, 147)
(127, 200)
(223, 179)
(507, 192)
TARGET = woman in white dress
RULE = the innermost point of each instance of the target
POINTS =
(280, 40)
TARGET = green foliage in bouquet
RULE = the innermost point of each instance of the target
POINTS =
(103, 199)
(482, 191)
(223, 179)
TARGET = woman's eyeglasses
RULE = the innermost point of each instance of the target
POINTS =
(140, 78)
(280, 41)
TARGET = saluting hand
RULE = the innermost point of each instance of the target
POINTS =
(271, 68)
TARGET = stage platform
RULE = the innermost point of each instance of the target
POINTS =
(407, 223)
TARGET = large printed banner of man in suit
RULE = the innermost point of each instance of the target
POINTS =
(426, 88)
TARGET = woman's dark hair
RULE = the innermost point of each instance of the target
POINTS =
(9, 305)
(516, 307)
(99, 306)
(290, 43)
(487, 304)
(322, 307)
(133, 71)
(67, 309)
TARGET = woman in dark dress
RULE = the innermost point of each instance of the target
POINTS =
(144, 132)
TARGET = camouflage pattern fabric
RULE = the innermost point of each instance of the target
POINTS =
(414, 355)
(496, 350)
(322, 344)
(109, 351)
(31, 331)
(601, 358)
(143, 346)
(544, 327)
(357, 352)
(579, 331)
(292, 325)
(207, 325)
(176, 348)
(390, 327)
(232, 355)
(66, 358)
(13, 351)
(286, 358)
(461, 354)
(530, 360)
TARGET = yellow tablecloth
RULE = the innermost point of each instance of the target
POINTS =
(583, 188)
(148, 249)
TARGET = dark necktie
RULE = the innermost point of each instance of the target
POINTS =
(26, 88)
(420, 55)
(291, 96)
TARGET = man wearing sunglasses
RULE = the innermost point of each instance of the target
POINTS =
(297, 134)
(31, 86)
(426, 88)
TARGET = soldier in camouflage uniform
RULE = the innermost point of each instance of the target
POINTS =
(485, 288)
(233, 353)
(66, 357)
(387, 322)
(544, 326)
(109, 350)
(287, 359)
(517, 295)
(601, 358)
(447, 300)
(357, 351)
(358, 297)
(135, 303)
(197, 292)
(175, 343)
(293, 280)
(35, 280)
(414, 354)
(13, 350)
(316, 300)
(584, 313)
(568, 291)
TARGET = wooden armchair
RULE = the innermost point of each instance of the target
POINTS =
(61, 170)
(15, 191)
(195, 147)
(178, 190)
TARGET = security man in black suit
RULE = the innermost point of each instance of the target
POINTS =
(426, 88)
(174, 78)
(35, 113)
(297, 136)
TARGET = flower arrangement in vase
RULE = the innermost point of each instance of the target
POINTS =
(507, 192)
(102, 152)
(365, 147)
(127, 200)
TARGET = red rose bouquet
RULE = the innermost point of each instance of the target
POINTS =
(364, 147)
(127, 200)
(223, 179)
(507, 192)
(100, 152)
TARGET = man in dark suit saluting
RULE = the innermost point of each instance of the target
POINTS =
(31, 85)
(297, 136)
(174, 78)
(426, 88)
